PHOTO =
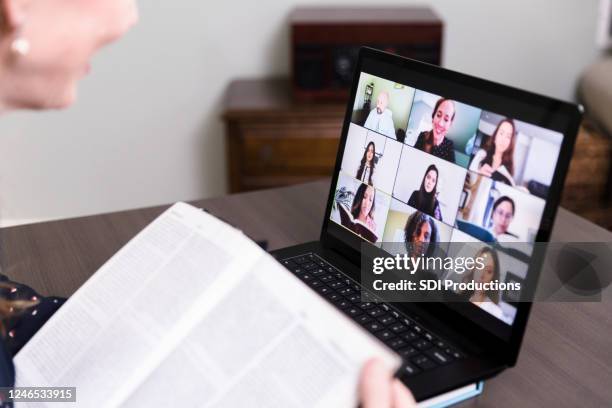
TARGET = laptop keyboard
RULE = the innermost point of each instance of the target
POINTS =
(420, 349)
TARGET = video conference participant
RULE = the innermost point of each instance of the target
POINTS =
(496, 158)
(364, 205)
(435, 141)
(489, 299)
(420, 235)
(425, 199)
(380, 118)
(366, 168)
(501, 218)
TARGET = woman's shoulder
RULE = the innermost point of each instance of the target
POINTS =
(421, 137)
(412, 201)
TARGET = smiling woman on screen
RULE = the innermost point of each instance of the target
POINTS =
(45, 48)
(435, 141)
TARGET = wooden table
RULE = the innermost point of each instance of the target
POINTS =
(566, 360)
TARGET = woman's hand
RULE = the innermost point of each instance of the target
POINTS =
(486, 170)
(378, 388)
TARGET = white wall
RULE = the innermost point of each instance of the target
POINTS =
(147, 131)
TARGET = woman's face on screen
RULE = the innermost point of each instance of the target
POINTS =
(502, 217)
(503, 138)
(421, 239)
(485, 274)
(431, 178)
(370, 153)
(443, 118)
(368, 201)
(63, 35)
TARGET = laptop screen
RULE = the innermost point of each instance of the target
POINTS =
(426, 160)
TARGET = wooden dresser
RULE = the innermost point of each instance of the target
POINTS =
(273, 141)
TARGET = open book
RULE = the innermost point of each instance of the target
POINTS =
(192, 313)
(358, 227)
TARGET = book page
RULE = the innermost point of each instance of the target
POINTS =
(191, 312)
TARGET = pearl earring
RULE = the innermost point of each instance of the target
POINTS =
(20, 46)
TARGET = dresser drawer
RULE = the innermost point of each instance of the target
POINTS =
(293, 150)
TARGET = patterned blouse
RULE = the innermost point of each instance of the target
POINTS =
(445, 150)
(20, 328)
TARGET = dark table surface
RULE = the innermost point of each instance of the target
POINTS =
(566, 358)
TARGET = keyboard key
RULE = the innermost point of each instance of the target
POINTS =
(324, 290)
(374, 326)
(309, 265)
(318, 272)
(366, 306)
(300, 260)
(422, 344)
(454, 353)
(354, 311)
(408, 352)
(363, 319)
(385, 335)
(342, 303)
(440, 344)
(289, 264)
(337, 285)
(428, 336)
(333, 296)
(354, 298)
(423, 362)
(346, 291)
(438, 356)
(408, 369)
(327, 278)
(397, 343)
(376, 312)
(418, 329)
(315, 283)
(299, 271)
(398, 328)
(307, 277)
(387, 320)
(409, 336)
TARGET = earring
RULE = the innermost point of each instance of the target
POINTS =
(20, 46)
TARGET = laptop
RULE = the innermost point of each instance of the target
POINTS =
(479, 162)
